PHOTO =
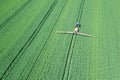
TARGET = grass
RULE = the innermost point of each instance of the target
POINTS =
(30, 48)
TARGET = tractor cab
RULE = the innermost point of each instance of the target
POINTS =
(78, 24)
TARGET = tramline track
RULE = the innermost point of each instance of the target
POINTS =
(29, 41)
(45, 43)
(71, 46)
(15, 13)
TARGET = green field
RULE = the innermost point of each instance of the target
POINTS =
(30, 48)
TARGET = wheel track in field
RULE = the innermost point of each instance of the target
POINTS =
(67, 59)
(70, 61)
(15, 13)
(29, 41)
(71, 46)
(54, 25)
(45, 43)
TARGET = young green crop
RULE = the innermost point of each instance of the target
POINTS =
(31, 49)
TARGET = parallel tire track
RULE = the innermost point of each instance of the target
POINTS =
(80, 11)
(72, 44)
(29, 41)
(67, 58)
(70, 58)
(15, 13)
(51, 32)
(45, 43)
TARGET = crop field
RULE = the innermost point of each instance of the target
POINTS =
(30, 48)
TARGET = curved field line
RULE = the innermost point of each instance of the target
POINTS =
(29, 41)
(72, 43)
(15, 13)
